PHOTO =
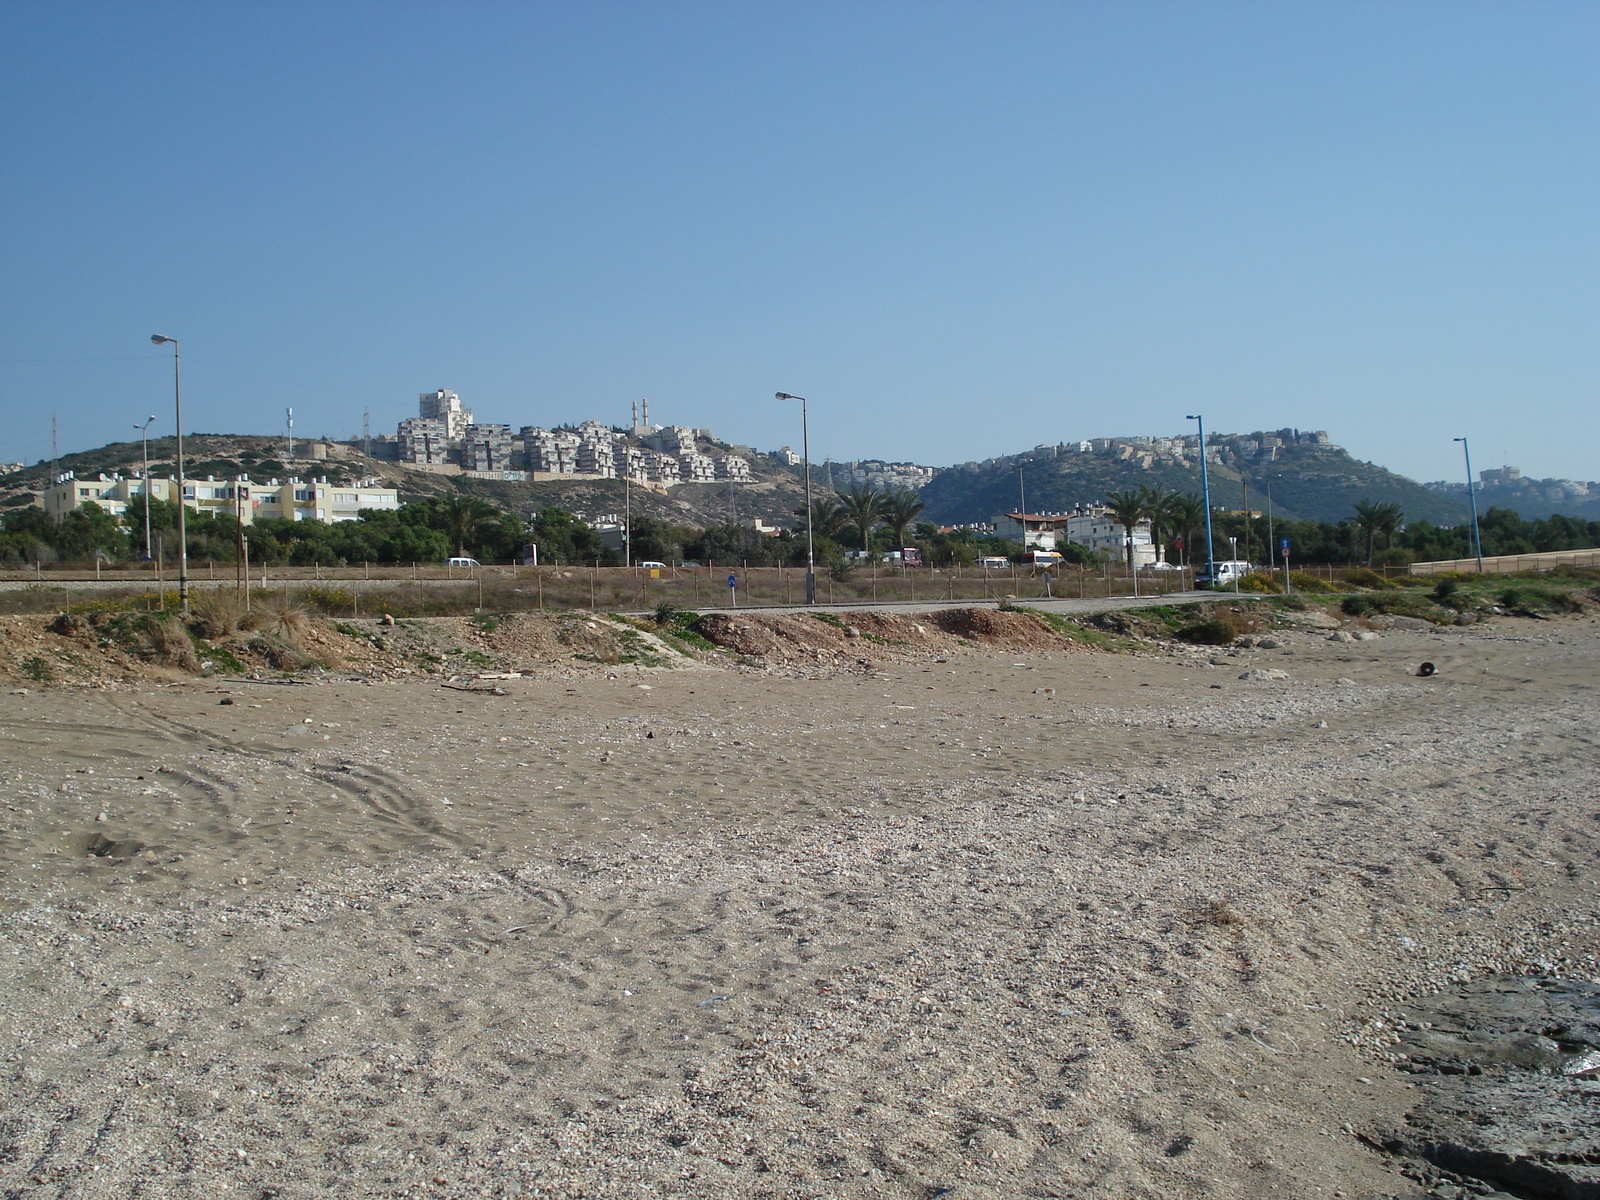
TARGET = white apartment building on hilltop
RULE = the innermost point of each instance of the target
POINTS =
(444, 435)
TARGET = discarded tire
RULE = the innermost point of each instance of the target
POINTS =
(1426, 669)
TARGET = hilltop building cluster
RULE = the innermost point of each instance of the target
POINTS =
(875, 473)
(1183, 450)
(445, 437)
(1511, 480)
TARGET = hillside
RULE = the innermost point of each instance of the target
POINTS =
(1309, 482)
(773, 495)
(1531, 499)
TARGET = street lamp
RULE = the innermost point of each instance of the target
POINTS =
(805, 457)
(1472, 495)
(1205, 489)
(144, 435)
(183, 532)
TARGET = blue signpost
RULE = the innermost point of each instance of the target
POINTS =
(733, 589)
(1283, 545)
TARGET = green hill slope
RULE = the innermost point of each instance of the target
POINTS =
(1309, 482)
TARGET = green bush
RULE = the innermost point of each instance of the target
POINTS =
(334, 601)
(1363, 577)
(1304, 581)
(1261, 583)
(1206, 633)
(1399, 603)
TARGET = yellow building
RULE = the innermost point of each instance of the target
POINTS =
(296, 500)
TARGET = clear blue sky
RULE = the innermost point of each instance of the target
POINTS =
(960, 229)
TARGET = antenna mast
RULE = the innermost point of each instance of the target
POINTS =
(289, 412)
(366, 437)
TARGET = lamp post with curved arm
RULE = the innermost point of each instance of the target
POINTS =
(183, 539)
(805, 457)
(1472, 495)
(144, 436)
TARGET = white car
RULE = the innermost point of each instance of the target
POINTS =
(462, 562)
(648, 563)
(1221, 574)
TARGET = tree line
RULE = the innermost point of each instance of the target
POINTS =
(855, 520)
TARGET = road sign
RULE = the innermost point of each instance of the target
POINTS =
(1283, 544)
(733, 581)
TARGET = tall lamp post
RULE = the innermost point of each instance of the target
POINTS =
(805, 457)
(1472, 495)
(144, 436)
(1205, 490)
(183, 531)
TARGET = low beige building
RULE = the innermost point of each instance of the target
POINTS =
(294, 500)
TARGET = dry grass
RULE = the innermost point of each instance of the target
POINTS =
(285, 621)
(165, 640)
(215, 613)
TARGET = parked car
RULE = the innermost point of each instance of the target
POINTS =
(994, 562)
(462, 562)
(1222, 574)
(1160, 566)
(688, 565)
(660, 566)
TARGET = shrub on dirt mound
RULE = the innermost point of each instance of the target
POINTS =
(166, 642)
(1206, 633)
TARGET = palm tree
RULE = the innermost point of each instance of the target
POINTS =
(458, 517)
(1158, 502)
(827, 516)
(1393, 517)
(1186, 516)
(1374, 517)
(863, 506)
(900, 508)
(1127, 509)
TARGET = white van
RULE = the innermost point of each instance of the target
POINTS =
(462, 562)
(1222, 574)
(994, 562)
(657, 566)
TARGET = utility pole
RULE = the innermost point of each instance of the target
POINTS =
(1246, 493)
(1022, 496)
(1205, 490)
(183, 529)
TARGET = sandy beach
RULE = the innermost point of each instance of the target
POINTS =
(974, 923)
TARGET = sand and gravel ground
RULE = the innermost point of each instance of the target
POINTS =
(975, 925)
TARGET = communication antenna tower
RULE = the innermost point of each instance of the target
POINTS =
(289, 413)
(366, 436)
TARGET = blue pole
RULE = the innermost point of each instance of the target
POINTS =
(1472, 495)
(1205, 491)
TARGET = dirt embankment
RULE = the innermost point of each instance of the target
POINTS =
(103, 649)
